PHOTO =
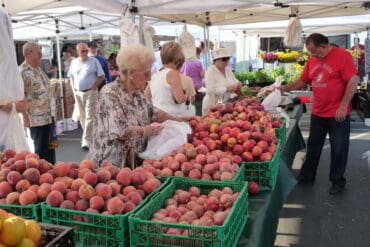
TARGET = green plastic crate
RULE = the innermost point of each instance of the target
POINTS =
(32, 212)
(95, 229)
(265, 172)
(281, 132)
(239, 176)
(144, 232)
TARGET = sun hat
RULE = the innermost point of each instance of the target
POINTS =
(220, 53)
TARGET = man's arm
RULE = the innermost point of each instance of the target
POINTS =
(340, 114)
(292, 86)
(98, 82)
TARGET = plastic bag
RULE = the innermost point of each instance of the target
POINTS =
(366, 155)
(11, 82)
(171, 137)
(189, 110)
(12, 134)
(272, 101)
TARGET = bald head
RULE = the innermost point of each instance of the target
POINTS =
(82, 51)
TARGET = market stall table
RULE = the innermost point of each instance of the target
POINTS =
(264, 209)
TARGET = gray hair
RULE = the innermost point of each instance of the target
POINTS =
(28, 47)
(135, 57)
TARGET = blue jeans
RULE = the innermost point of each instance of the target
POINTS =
(339, 145)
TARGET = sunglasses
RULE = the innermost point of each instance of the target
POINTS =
(225, 59)
(84, 50)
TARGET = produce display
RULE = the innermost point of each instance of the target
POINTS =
(25, 179)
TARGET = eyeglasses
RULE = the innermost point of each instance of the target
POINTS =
(225, 59)
(84, 50)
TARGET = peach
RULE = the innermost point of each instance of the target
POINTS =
(86, 191)
(181, 158)
(195, 174)
(73, 173)
(134, 197)
(13, 177)
(106, 163)
(27, 197)
(34, 187)
(263, 145)
(32, 162)
(22, 185)
(44, 166)
(128, 206)
(186, 167)
(179, 174)
(59, 186)
(13, 198)
(67, 204)
(72, 196)
(201, 149)
(257, 151)
(247, 156)
(9, 153)
(201, 159)
(91, 178)
(124, 176)
(77, 183)
(19, 166)
(62, 169)
(115, 205)
(96, 202)
(266, 156)
(83, 171)
(138, 177)
(5, 189)
(103, 175)
(114, 185)
(3, 174)
(226, 176)
(32, 175)
(82, 205)
(150, 185)
(103, 190)
(88, 164)
(126, 190)
(43, 191)
(174, 165)
(210, 158)
(114, 170)
(46, 178)
(55, 198)
(166, 172)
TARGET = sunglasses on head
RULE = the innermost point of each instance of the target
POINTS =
(225, 59)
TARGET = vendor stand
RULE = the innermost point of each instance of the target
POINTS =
(264, 209)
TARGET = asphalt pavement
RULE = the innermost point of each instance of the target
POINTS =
(310, 217)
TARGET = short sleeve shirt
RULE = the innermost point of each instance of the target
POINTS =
(85, 73)
(329, 78)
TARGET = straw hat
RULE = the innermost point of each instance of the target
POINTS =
(220, 53)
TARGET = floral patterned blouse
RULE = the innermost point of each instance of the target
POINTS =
(115, 113)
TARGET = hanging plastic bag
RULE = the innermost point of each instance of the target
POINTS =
(11, 82)
(12, 134)
(272, 101)
(171, 137)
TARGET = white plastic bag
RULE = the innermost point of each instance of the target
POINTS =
(171, 137)
(11, 82)
(189, 110)
(272, 101)
(12, 134)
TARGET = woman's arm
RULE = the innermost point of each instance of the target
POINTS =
(174, 79)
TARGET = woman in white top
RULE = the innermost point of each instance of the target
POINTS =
(165, 89)
(219, 80)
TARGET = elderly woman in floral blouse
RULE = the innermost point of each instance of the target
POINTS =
(123, 116)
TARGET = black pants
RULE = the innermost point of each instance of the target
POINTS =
(41, 137)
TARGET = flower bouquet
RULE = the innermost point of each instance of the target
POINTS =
(269, 57)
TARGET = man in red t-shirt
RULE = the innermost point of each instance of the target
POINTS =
(361, 60)
(331, 72)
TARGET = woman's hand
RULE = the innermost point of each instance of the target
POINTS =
(149, 130)
(21, 106)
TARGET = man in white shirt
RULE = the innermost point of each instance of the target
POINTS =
(86, 75)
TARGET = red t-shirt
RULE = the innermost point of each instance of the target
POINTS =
(328, 79)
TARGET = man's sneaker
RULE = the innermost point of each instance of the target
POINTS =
(336, 189)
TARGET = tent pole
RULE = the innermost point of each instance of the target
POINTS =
(60, 79)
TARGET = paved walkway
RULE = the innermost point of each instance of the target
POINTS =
(313, 218)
